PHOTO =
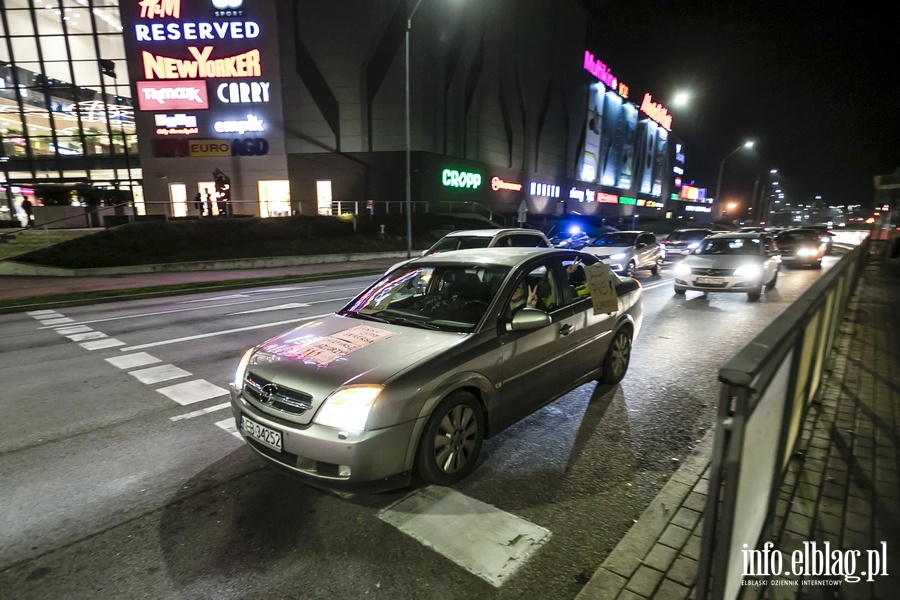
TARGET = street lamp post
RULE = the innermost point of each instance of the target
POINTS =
(747, 144)
(408, 142)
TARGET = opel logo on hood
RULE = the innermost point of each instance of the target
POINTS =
(268, 394)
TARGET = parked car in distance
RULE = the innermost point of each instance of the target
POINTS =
(571, 240)
(730, 262)
(466, 239)
(680, 242)
(801, 247)
(415, 372)
(628, 251)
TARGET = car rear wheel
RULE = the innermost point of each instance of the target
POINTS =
(452, 440)
(615, 364)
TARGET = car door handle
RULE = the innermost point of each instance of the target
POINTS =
(566, 329)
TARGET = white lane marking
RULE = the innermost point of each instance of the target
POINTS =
(657, 284)
(130, 361)
(71, 330)
(482, 539)
(255, 300)
(248, 293)
(201, 412)
(229, 426)
(101, 344)
(90, 335)
(43, 314)
(224, 332)
(158, 374)
(53, 322)
(192, 391)
(269, 308)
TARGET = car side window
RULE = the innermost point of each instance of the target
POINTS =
(537, 289)
(523, 240)
(646, 239)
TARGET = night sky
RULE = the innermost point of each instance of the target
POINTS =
(815, 84)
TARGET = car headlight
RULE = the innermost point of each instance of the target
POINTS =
(348, 408)
(242, 369)
(618, 256)
(681, 269)
(748, 271)
(692, 246)
(807, 252)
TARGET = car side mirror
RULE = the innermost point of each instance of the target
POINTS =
(424, 252)
(527, 319)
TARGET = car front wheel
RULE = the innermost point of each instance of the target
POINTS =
(615, 363)
(452, 440)
(773, 281)
(630, 269)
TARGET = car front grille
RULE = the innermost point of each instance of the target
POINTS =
(278, 397)
(712, 272)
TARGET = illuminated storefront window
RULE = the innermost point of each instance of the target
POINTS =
(323, 197)
(65, 94)
(275, 198)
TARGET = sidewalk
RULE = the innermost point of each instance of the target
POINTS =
(842, 486)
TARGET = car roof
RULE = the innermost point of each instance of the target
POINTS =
(739, 234)
(626, 231)
(693, 229)
(508, 257)
(490, 232)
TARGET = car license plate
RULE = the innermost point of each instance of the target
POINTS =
(711, 280)
(261, 433)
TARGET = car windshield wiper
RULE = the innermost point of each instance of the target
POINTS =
(359, 315)
(404, 321)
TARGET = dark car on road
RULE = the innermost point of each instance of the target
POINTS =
(801, 247)
(680, 242)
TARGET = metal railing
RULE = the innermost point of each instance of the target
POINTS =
(381, 207)
(459, 207)
(767, 389)
(85, 220)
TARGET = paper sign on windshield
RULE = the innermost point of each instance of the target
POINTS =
(602, 288)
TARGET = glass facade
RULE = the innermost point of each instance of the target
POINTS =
(66, 114)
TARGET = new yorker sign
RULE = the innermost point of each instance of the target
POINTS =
(217, 59)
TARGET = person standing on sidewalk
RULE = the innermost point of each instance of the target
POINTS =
(29, 215)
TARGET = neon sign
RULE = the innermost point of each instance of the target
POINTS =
(241, 65)
(227, 8)
(498, 184)
(151, 9)
(460, 179)
(656, 111)
(607, 198)
(253, 123)
(582, 195)
(188, 95)
(158, 32)
(243, 93)
(544, 189)
(178, 124)
(627, 200)
(599, 70)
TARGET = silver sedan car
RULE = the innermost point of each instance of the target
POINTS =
(413, 374)
(730, 262)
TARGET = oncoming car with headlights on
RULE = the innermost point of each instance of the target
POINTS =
(414, 373)
(730, 262)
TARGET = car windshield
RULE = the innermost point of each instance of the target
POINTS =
(442, 297)
(461, 242)
(692, 235)
(615, 239)
(729, 245)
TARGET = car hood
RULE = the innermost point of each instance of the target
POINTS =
(604, 251)
(728, 261)
(341, 350)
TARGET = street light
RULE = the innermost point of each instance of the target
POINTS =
(747, 144)
(408, 143)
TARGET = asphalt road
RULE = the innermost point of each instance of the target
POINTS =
(121, 475)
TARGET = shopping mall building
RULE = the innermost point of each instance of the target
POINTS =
(273, 107)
